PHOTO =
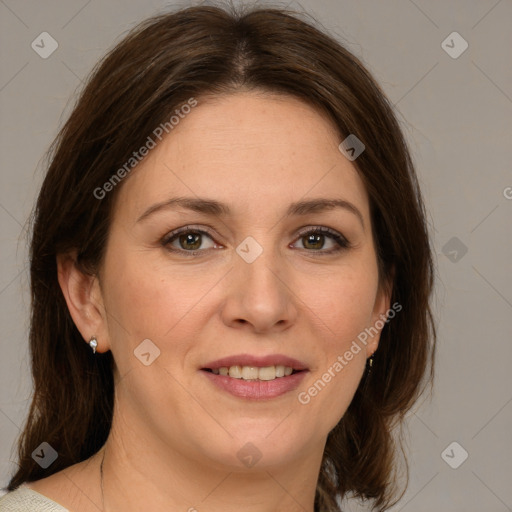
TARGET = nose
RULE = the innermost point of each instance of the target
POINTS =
(260, 295)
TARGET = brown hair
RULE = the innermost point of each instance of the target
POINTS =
(164, 61)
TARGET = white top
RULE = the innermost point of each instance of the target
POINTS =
(24, 499)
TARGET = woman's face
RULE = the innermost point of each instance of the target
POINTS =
(253, 284)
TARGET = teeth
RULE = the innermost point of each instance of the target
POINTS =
(249, 372)
(267, 373)
(235, 372)
(254, 372)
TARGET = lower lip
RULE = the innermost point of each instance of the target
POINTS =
(256, 389)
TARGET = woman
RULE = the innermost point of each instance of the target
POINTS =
(231, 275)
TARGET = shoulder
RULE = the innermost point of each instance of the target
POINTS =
(73, 489)
(24, 499)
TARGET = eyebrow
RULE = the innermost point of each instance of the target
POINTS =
(213, 207)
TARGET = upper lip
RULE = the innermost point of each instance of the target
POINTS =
(259, 361)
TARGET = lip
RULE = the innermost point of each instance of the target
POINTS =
(256, 389)
(259, 361)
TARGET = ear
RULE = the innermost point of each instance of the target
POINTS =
(381, 312)
(83, 296)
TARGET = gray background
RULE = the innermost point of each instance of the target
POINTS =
(456, 113)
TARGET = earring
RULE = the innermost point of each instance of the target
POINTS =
(367, 372)
(370, 363)
(93, 343)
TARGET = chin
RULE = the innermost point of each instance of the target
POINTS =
(258, 445)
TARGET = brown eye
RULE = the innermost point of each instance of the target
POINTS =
(315, 239)
(190, 241)
(187, 241)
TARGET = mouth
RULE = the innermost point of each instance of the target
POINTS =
(255, 377)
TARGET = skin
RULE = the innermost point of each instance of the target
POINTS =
(175, 437)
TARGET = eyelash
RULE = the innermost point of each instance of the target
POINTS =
(342, 242)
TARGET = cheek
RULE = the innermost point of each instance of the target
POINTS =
(344, 302)
(144, 300)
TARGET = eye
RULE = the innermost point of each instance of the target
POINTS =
(190, 241)
(187, 240)
(314, 240)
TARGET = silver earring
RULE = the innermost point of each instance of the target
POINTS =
(93, 343)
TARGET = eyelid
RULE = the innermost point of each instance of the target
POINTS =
(342, 242)
(321, 229)
(204, 230)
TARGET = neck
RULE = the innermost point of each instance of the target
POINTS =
(135, 477)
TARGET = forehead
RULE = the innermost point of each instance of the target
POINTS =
(256, 152)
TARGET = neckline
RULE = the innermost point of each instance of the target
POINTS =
(25, 487)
